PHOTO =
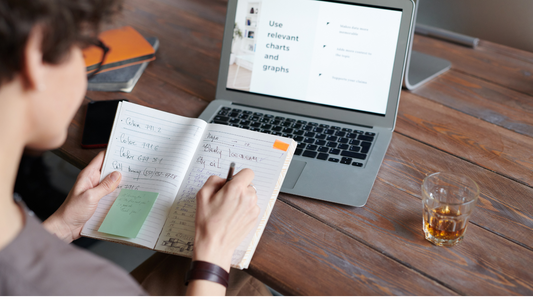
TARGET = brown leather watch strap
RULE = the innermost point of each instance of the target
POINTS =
(207, 271)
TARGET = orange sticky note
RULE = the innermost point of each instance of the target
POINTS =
(281, 145)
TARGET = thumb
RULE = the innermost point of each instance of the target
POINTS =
(108, 184)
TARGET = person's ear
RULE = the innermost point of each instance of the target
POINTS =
(34, 69)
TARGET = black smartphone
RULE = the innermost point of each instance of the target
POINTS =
(98, 123)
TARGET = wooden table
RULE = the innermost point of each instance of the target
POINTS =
(476, 119)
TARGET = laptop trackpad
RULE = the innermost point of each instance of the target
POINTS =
(295, 170)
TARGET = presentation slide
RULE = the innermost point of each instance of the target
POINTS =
(322, 52)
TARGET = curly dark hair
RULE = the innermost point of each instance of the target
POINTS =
(65, 23)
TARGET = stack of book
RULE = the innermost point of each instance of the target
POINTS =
(128, 56)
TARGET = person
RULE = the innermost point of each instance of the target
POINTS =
(42, 84)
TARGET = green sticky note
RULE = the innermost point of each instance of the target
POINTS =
(128, 213)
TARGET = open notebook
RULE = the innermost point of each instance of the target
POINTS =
(173, 155)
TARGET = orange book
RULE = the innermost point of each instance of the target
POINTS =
(126, 47)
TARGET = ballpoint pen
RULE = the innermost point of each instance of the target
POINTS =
(230, 172)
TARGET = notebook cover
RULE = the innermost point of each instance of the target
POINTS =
(120, 80)
(126, 47)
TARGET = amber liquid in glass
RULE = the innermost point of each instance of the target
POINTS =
(444, 223)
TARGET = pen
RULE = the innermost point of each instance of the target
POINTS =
(230, 172)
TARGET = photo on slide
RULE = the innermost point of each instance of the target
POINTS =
(243, 45)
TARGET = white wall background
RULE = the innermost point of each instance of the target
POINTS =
(508, 22)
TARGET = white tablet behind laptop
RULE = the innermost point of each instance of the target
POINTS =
(325, 73)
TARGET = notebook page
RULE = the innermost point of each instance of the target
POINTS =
(152, 150)
(220, 146)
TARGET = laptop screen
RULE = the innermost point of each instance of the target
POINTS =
(330, 53)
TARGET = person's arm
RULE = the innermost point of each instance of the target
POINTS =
(225, 214)
(67, 222)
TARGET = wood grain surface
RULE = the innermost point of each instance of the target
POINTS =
(391, 223)
(476, 119)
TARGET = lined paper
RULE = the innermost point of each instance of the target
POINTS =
(152, 150)
(219, 146)
(172, 155)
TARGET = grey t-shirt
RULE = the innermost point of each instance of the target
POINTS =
(38, 263)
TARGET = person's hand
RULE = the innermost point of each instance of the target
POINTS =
(82, 200)
(225, 214)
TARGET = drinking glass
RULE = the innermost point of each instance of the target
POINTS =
(448, 200)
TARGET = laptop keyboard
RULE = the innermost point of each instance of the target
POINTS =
(315, 140)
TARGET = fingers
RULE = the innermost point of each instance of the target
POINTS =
(226, 213)
(215, 183)
(92, 171)
(218, 190)
(253, 187)
(97, 161)
(211, 186)
(89, 177)
(108, 184)
(239, 185)
(243, 178)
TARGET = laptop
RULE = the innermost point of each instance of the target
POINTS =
(327, 74)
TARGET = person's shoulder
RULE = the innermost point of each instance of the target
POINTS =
(38, 263)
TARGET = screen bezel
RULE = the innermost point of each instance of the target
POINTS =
(317, 110)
